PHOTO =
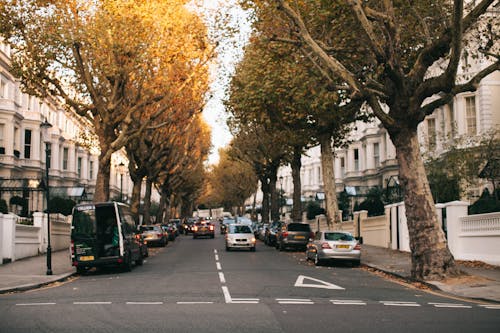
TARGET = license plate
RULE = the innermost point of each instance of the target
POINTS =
(342, 246)
(300, 237)
(86, 258)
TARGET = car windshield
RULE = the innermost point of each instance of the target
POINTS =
(229, 221)
(299, 227)
(336, 236)
(240, 229)
(147, 228)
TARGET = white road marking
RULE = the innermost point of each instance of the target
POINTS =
(398, 303)
(490, 306)
(217, 257)
(144, 303)
(293, 301)
(319, 284)
(222, 278)
(34, 304)
(219, 267)
(451, 305)
(187, 303)
(215, 251)
(91, 303)
(229, 299)
(347, 302)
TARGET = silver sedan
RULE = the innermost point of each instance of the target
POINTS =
(338, 245)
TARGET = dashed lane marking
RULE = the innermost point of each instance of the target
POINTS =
(219, 267)
(293, 301)
(451, 305)
(397, 303)
(222, 278)
(92, 303)
(347, 302)
(144, 303)
(490, 306)
(190, 303)
(34, 304)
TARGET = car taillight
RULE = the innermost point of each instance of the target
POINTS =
(211, 228)
(357, 247)
(312, 235)
(72, 247)
(285, 234)
(160, 235)
(325, 246)
(195, 228)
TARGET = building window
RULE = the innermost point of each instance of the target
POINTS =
(27, 143)
(376, 154)
(356, 159)
(17, 152)
(65, 158)
(3, 89)
(342, 167)
(431, 133)
(91, 170)
(2, 147)
(470, 113)
(79, 167)
(320, 178)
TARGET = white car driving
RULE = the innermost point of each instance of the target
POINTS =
(240, 236)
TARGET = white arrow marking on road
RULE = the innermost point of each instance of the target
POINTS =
(320, 283)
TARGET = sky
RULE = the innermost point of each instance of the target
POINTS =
(229, 53)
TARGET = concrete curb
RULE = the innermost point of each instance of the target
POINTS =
(31, 286)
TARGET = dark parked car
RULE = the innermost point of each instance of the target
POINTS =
(271, 231)
(293, 235)
(225, 224)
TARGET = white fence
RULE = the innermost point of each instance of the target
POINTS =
(20, 241)
(475, 237)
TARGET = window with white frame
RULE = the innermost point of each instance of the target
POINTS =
(3, 89)
(342, 167)
(356, 159)
(27, 143)
(470, 114)
(79, 167)
(65, 158)
(91, 170)
(376, 154)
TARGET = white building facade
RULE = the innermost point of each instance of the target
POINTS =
(72, 167)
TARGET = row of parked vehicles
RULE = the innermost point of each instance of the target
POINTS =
(320, 247)
(105, 234)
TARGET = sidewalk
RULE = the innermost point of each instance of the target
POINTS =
(30, 273)
(483, 282)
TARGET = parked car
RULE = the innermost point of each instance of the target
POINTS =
(225, 223)
(104, 234)
(143, 244)
(171, 231)
(240, 236)
(188, 225)
(154, 235)
(270, 234)
(338, 245)
(261, 234)
(293, 235)
(203, 228)
(177, 223)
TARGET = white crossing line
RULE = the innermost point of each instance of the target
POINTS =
(144, 303)
(91, 303)
(219, 267)
(222, 278)
(451, 305)
(490, 306)
(294, 301)
(229, 299)
(398, 303)
(347, 302)
(184, 303)
(34, 304)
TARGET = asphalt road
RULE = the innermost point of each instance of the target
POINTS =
(194, 285)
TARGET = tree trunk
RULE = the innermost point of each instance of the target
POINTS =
(330, 188)
(431, 258)
(147, 201)
(135, 203)
(164, 197)
(275, 207)
(297, 186)
(101, 193)
(264, 185)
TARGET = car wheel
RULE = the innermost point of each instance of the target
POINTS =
(281, 247)
(317, 260)
(213, 236)
(140, 261)
(127, 265)
(356, 263)
(146, 253)
(80, 270)
(252, 249)
(228, 248)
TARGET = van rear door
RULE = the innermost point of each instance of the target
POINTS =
(84, 233)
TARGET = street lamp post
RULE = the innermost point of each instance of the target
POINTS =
(121, 170)
(281, 195)
(45, 126)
